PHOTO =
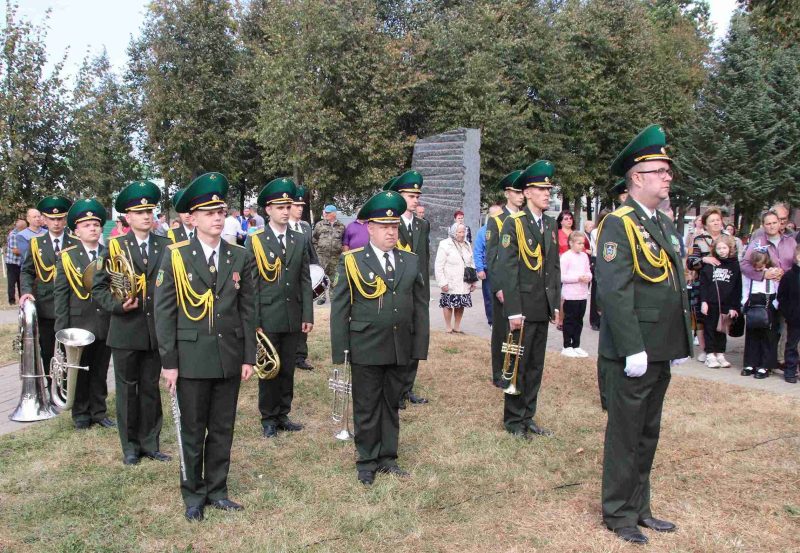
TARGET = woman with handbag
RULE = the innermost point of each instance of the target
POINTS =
(720, 293)
(759, 309)
(456, 275)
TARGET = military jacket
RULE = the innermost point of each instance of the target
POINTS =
(533, 291)
(327, 238)
(222, 338)
(74, 305)
(136, 329)
(644, 304)
(494, 229)
(284, 301)
(38, 273)
(305, 228)
(420, 242)
(177, 234)
(390, 329)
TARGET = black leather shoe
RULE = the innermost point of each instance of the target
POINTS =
(747, 371)
(157, 456)
(538, 430)
(395, 470)
(761, 373)
(194, 514)
(366, 477)
(82, 425)
(270, 431)
(106, 423)
(303, 364)
(657, 525)
(130, 459)
(631, 534)
(225, 505)
(415, 399)
(791, 379)
(403, 402)
(290, 426)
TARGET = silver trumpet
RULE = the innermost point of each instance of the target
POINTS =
(34, 405)
(64, 366)
(342, 385)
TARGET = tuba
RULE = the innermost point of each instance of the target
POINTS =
(122, 276)
(513, 349)
(34, 405)
(64, 366)
(268, 363)
(341, 384)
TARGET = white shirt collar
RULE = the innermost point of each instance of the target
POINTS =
(188, 230)
(60, 238)
(648, 212)
(379, 254)
(207, 252)
(295, 225)
(96, 250)
(139, 242)
(276, 232)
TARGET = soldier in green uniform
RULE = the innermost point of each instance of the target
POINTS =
(132, 333)
(297, 224)
(327, 239)
(529, 273)
(515, 199)
(76, 308)
(379, 314)
(414, 237)
(186, 230)
(38, 272)
(205, 323)
(283, 300)
(645, 325)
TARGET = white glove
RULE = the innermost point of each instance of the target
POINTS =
(636, 364)
(676, 362)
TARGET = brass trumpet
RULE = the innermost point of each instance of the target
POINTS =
(341, 383)
(122, 277)
(268, 363)
(516, 349)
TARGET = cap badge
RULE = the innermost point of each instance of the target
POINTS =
(143, 201)
(389, 194)
(212, 177)
(285, 195)
(55, 210)
(89, 214)
(389, 212)
(215, 198)
(664, 151)
(416, 185)
(547, 180)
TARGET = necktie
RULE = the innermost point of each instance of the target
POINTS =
(297, 227)
(191, 234)
(93, 255)
(143, 247)
(283, 246)
(212, 268)
(409, 229)
(539, 225)
(389, 267)
(56, 246)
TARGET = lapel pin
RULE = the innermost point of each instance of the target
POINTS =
(228, 261)
(229, 252)
(530, 242)
(371, 275)
(271, 254)
(189, 276)
(194, 252)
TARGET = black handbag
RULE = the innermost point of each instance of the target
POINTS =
(757, 317)
(470, 275)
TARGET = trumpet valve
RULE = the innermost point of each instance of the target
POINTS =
(512, 349)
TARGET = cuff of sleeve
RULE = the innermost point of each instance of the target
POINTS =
(170, 360)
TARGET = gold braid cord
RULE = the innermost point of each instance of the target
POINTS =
(661, 262)
(141, 280)
(43, 272)
(74, 277)
(187, 295)
(400, 246)
(268, 272)
(524, 251)
(354, 276)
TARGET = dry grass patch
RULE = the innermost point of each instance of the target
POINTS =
(726, 472)
(7, 334)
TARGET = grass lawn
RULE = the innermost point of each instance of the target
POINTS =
(7, 334)
(726, 472)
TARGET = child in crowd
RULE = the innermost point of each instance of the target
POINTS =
(760, 345)
(789, 304)
(576, 274)
(720, 293)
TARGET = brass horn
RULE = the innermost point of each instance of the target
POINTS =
(34, 404)
(268, 363)
(122, 277)
(515, 349)
(341, 383)
(64, 366)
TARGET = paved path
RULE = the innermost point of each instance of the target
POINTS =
(474, 323)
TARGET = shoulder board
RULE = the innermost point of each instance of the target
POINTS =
(68, 248)
(404, 251)
(622, 211)
(259, 231)
(236, 246)
(518, 214)
(179, 244)
(73, 236)
(348, 252)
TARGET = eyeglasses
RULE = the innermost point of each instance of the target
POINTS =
(661, 172)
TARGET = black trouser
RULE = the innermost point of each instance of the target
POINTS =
(91, 389)
(13, 270)
(574, 310)
(601, 385)
(411, 376)
(634, 424)
(594, 313)
(520, 409)
(275, 395)
(208, 415)
(486, 290)
(302, 347)
(499, 335)
(791, 355)
(139, 416)
(47, 343)
(761, 344)
(376, 399)
(716, 342)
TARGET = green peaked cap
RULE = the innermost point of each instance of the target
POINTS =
(389, 183)
(299, 195)
(176, 198)
(54, 206)
(619, 187)
(138, 196)
(86, 210)
(384, 207)
(536, 175)
(277, 191)
(410, 181)
(508, 182)
(649, 145)
(206, 192)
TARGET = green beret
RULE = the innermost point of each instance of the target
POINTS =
(649, 145)
(410, 181)
(206, 192)
(86, 210)
(176, 198)
(299, 196)
(54, 206)
(619, 187)
(508, 182)
(383, 207)
(138, 196)
(277, 191)
(536, 175)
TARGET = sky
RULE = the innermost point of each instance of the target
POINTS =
(81, 26)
